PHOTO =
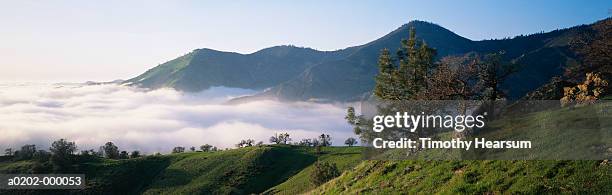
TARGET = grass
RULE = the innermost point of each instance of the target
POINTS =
(274, 168)
(239, 171)
(270, 169)
(472, 176)
(345, 158)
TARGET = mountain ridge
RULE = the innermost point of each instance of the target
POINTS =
(298, 73)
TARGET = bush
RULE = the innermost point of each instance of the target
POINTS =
(323, 172)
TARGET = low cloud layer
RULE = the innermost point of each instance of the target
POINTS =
(153, 121)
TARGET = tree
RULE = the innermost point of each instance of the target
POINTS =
(385, 87)
(178, 149)
(594, 51)
(492, 72)
(315, 142)
(205, 147)
(135, 154)
(192, 149)
(410, 78)
(350, 141)
(9, 152)
(305, 142)
(110, 150)
(324, 140)
(124, 155)
(351, 117)
(281, 138)
(85, 153)
(41, 156)
(61, 154)
(454, 79)
(323, 172)
(27, 152)
(245, 143)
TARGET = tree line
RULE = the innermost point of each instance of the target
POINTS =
(63, 154)
(285, 138)
(61, 150)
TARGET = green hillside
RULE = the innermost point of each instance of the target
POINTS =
(552, 127)
(279, 169)
(472, 177)
(285, 170)
(344, 157)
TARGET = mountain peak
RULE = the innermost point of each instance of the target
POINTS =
(283, 50)
(303, 73)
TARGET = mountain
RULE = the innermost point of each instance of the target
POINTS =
(293, 73)
(540, 56)
(353, 76)
(204, 68)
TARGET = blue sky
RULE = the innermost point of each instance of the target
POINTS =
(106, 40)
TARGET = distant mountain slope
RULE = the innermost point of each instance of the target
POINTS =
(204, 68)
(351, 77)
(305, 74)
(541, 57)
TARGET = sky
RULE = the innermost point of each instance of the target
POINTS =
(76, 41)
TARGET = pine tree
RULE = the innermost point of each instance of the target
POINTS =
(384, 80)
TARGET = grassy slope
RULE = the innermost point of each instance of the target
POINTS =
(246, 170)
(482, 176)
(103, 175)
(238, 171)
(473, 176)
(281, 169)
(345, 158)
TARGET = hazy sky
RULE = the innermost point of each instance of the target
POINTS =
(106, 40)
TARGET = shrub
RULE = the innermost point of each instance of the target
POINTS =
(323, 172)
